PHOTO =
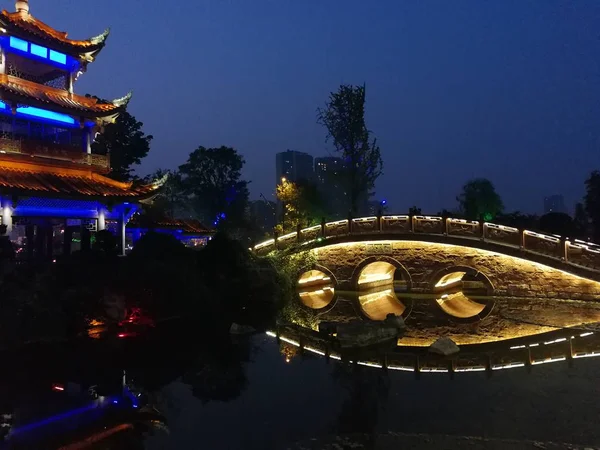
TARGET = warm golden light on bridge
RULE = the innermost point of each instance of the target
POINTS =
(460, 306)
(378, 304)
(376, 274)
(315, 289)
(450, 279)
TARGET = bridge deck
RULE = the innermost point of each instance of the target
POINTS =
(571, 255)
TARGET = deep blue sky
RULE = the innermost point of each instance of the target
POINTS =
(508, 90)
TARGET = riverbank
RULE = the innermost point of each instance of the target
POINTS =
(395, 441)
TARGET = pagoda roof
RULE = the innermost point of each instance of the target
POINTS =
(67, 102)
(40, 179)
(187, 226)
(24, 24)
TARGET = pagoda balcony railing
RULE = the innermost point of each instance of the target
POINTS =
(56, 152)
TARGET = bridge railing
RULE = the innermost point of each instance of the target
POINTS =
(575, 252)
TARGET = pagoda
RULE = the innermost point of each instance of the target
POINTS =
(54, 191)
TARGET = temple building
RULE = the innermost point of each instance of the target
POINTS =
(54, 191)
(190, 232)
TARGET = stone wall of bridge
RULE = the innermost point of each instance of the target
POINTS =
(425, 262)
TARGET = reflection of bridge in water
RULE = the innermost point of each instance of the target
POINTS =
(475, 282)
(563, 346)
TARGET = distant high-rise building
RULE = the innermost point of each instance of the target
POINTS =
(327, 167)
(329, 174)
(554, 203)
(293, 166)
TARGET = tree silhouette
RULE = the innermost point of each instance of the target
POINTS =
(126, 143)
(344, 118)
(580, 221)
(302, 204)
(557, 223)
(211, 179)
(479, 199)
(592, 202)
(414, 211)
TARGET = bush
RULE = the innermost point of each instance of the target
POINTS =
(161, 276)
(160, 246)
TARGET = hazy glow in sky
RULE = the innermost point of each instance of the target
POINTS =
(507, 90)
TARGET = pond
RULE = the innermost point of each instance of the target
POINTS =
(308, 397)
(526, 371)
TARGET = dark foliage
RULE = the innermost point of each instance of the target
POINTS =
(592, 203)
(479, 199)
(126, 143)
(211, 181)
(344, 118)
(518, 220)
(246, 286)
(557, 223)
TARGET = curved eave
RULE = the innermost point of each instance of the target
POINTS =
(26, 26)
(13, 89)
(48, 179)
(104, 118)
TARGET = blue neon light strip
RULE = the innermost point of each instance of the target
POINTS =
(45, 114)
(40, 113)
(19, 44)
(58, 57)
(37, 50)
(30, 211)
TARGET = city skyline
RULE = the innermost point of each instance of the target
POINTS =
(507, 91)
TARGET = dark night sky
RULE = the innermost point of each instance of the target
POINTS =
(508, 90)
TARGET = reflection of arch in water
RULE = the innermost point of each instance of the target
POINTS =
(316, 288)
(462, 277)
(456, 285)
(377, 303)
(381, 271)
(459, 306)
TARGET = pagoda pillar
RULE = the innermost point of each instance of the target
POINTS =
(86, 239)
(88, 140)
(2, 61)
(121, 228)
(67, 239)
(70, 82)
(101, 219)
(40, 240)
(7, 212)
(49, 240)
(30, 235)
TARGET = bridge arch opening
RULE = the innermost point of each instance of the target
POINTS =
(316, 289)
(462, 293)
(381, 272)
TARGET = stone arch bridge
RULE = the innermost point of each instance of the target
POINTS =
(427, 254)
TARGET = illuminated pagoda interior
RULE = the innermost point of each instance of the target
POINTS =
(54, 191)
(190, 232)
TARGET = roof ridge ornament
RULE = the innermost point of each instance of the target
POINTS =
(100, 38)
(22, 6)
(159, 182)
(123, 101)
